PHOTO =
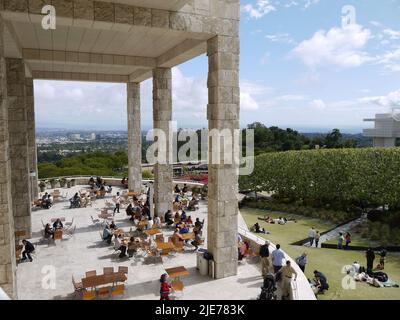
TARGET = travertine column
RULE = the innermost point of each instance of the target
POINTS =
(162, 116)
(134, 138)
(223, 114)
(32, 150)
(7, 242)
(18, 133)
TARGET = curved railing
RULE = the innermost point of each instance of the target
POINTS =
(300, 289)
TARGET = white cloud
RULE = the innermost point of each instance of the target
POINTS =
(393, 34)
(259, 10)
(390, 100)
(318, 104)
(281, 38)
(339, 46)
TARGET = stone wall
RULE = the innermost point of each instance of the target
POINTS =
(134, 138)
(32, 150)
(223, 114)
(7, 242)
(162, 116)
(18, 145)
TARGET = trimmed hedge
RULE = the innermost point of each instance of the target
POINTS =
(334, 178)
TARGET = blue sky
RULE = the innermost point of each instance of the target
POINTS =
(304, 64)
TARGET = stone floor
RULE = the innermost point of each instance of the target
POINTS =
(49, 275)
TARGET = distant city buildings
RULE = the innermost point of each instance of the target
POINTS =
(386, 130)
(75, 136)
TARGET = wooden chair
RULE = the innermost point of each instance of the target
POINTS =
(89, 295)
(177, 286)
(159, 238)
(58, 235)
(118, 290)
(104, 292)
(91, 273)
(108, 270)
(123, 270)
(165, 252)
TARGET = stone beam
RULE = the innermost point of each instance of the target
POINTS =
(108, 15)
(140, 75)
(76, 76)
(181, 53)
(72, 58)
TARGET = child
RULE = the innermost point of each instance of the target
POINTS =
(165, 287)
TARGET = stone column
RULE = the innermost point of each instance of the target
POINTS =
(7, 240)
(32, 150)
(18, 133)
(223, 114)
(162, 116)
(134, 138)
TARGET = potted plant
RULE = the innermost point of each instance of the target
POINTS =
(63, 182)
(42, 186)
(53, 183)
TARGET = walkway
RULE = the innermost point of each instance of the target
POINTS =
(334, 234)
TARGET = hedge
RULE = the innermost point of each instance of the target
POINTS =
(333, 177)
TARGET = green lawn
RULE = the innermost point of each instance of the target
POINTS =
(329, 261)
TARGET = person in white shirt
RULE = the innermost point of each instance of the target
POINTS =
(117, 243)
(277, 258)
(356, 267)
(117, 203)
(157, 221)
(150, 223)
(311, 236)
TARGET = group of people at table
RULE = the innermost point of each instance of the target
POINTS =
(128, 243)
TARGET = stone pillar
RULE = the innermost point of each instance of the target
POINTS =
(32, 150)
(134, 138)
(223, 114)
(7, 240)
(162, 116)
(18, 133)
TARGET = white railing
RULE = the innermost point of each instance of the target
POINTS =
(300, 289)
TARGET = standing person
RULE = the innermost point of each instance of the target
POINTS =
(277, 258)
(347, 239)
(382, 254)
(370, 255)
(264, 254)
(311, 236)
(117, 203)
(317, 236)
(28, 249)
(340, 241)
(302, 261)
(287, 274)
(165, 287)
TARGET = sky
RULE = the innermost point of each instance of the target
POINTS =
(311, 65)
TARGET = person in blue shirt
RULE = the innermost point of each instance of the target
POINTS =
(183, 216)
(107, 234)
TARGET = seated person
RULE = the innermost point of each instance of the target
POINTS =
(183, 216)
(197, 240)
(184, 229)
(192, 204)
(113, 226)
(109, 189)
(198, 224)
(133, 246)
(146, 212)
(176, 238)
(189, 221)
(107, 234)
(129, 211)
(150, 223)
(185, 189)
(48, 231)
(321, 282)
(91, 182)
(257, 229)
(157, 222)
(120, 246)
(177, 216)
(176, 189)
(168, 218)
(57, 224)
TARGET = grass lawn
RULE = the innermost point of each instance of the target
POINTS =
(328, 261)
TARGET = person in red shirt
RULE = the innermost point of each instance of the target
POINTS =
(165, 287)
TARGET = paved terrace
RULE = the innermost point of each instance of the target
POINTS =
(85, 251)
